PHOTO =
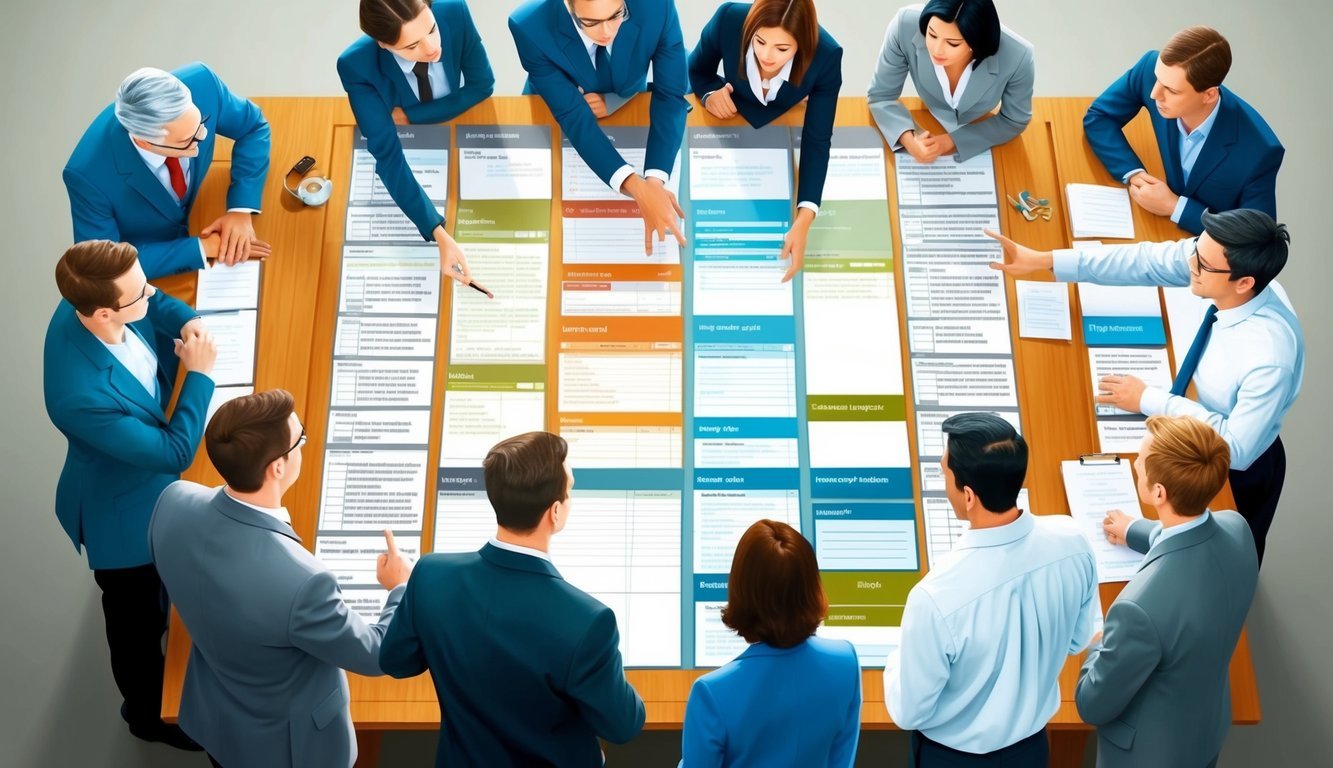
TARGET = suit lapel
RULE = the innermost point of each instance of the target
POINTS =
(1181, 541)
(450, 57)
(981, 83)
(142, 180)
(391, 73)
(199, 167)
(1216, 147)
(572, 45)
(622, 52)
(252, 517)
(118, 377)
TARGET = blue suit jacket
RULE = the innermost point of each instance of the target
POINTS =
(777, 706)
(113, 195)
(1237, 167)
(558, 66)
(527, 668)
(375, 84)
(721, 41)
(270, 633)
(123, 450)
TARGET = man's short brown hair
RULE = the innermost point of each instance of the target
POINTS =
(247, 434)
(774, 594)
(86, 274)
(1203, 52)
(1189, 459)
(524, 476)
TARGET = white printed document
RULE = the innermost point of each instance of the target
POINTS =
(1094, 488)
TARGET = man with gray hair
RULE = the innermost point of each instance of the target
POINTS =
(136, 173)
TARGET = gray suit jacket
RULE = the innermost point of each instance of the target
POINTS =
(271, 635)
(1005, 78)
(1158, 689)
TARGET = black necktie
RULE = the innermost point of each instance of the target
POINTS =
(1192, 357)
(602, 62)
(420, 69)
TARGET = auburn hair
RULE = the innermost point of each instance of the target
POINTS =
(797, 18)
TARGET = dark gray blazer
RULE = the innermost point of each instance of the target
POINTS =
(1005, 79)
(1157, 689)
(271, 633)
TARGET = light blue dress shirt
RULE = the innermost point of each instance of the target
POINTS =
(1250, 372)
(137, 358)
(439, 84)
(986, 632)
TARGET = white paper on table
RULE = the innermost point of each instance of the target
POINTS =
(234, 333)
(1093, 489)
(1123, 435)
(223, 288)
(1148, 364)
(504, 173)
(1043, 310)
(1099, 211)
(945, 181)
(1118, 300)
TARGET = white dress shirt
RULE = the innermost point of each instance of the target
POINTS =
(138, 358)
(614, 102)
(439, 84)
(520, 549)
(1250, 372)
(757, 81)
(986, 632)
(277, 513)
(956, 95)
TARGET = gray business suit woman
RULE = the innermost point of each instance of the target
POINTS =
(1004, 78)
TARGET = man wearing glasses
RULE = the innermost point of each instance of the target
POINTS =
(1247, 358)
(136, 173)
(108, 374)
(270, 632)
(585, 58)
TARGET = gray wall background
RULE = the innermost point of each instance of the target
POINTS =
(61, 62)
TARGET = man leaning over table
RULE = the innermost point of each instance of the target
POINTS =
(1247, 358)
(135, 174)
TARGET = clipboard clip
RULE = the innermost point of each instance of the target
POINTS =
(1098, 458)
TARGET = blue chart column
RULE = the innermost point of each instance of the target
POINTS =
(375, 448)
(742, 414)
(864, 522)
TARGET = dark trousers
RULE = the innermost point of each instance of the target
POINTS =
(1257, 489)
(135, 607)
(1032, 752)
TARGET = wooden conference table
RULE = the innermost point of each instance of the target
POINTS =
(296, 327)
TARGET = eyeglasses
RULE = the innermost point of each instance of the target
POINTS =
(300, 441)
(1200, 266)
(618, 17)
(142, 294)
(195, 139)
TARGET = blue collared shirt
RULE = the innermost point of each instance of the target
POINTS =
(1250, 372)
(986, 632)
(138, 358)
(439, 84)
(1191, 142)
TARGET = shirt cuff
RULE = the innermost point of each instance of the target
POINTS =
(618, 178)
(203, 255)
(1181, 202)
(243, 210)
(1125, 179)
(1064, 262)
(807, 204)
(653, 173)
(1153, 401)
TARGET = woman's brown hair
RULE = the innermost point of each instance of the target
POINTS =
(774, 594)
(796, 17)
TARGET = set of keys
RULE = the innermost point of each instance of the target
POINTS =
(1031, 207)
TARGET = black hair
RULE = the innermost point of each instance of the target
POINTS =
(1255, 245)
(976, 19)
(986, 454)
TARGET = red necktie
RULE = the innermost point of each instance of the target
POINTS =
(177, 177)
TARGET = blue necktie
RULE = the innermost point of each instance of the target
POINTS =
(1191, 363)
(602, 62)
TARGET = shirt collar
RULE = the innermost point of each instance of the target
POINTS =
(1201, 133)
(756, 81)
(529, 551)
(588, 43)
(278, 513)
(1229, 317)
(956, 97)
(998, 536)
(406, 64)
(1176, 530)
(154, 160)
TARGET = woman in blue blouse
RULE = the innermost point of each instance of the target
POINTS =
(419, 62)
(774, 55)
(790, 698)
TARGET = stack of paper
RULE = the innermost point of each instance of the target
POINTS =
(1098, 211)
